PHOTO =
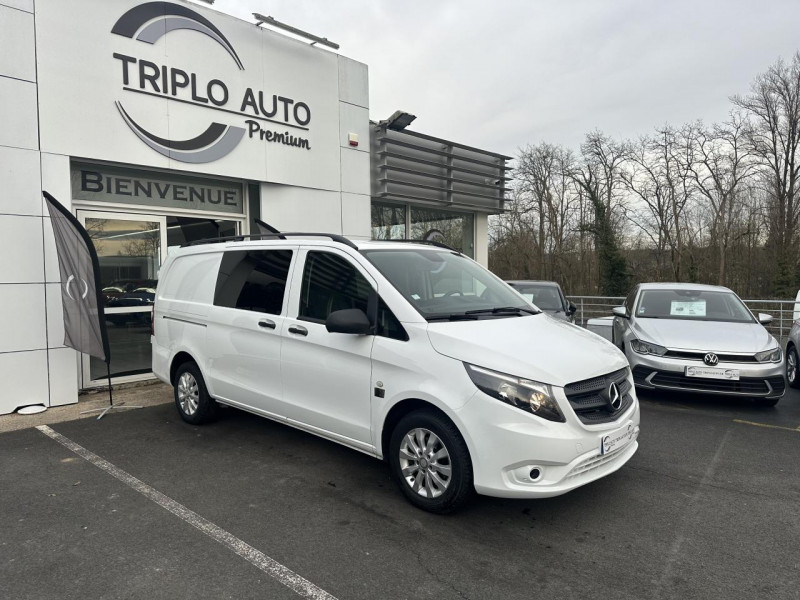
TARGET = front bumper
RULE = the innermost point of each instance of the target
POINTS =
(756, 380)
(508, 444)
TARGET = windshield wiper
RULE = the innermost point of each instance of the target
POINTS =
(504, 310)
(452, 317)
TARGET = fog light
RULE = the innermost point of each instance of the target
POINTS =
(535, 474)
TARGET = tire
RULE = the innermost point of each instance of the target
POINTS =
(446, 484)
(766, 402)
(792, 367)
(194, 404)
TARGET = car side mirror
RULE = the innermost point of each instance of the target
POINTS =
(571, 309)
(765, 319)
(620, 311)
(348, 320)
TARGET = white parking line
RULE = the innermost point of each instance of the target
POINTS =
(271, 567)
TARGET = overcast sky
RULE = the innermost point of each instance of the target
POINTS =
(501, 74)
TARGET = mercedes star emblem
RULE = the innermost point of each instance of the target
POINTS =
(614, 397)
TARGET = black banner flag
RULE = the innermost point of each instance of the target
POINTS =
(84, 319)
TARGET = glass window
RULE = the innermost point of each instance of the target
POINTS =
(182, 230)
(388, 325)
(253, 280)
(546, 297)
(630, 299)
(699, 305)
(457, 230)
(442, 284)
(388, 221)
(331, 283)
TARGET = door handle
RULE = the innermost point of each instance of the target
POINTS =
(298, 329)
(266, 324)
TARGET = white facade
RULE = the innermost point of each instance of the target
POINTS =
(77, 84)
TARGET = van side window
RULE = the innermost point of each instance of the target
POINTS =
(331, 283)
(388, 325)
(253, 280)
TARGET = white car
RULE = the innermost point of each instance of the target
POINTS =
(409, 352)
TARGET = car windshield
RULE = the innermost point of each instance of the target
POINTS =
(545, 297)
(692, 305)
(442, 284)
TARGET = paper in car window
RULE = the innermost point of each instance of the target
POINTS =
(696, 308)
(528, 297)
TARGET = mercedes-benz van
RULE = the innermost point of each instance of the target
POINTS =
(410, 352)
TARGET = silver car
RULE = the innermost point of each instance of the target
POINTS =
(698, 338)
(792, 356)
(547, 296)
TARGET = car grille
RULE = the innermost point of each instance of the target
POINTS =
(750, 386)
(723, 358)
(595, 462)
(589, 406)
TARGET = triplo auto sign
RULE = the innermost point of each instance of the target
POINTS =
(266, 115)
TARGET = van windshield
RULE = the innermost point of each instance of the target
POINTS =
(444, 285)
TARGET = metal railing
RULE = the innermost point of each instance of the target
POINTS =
(782, 311)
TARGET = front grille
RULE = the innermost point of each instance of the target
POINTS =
(745, 386)
(594, 462)
(586, 400)
(723, 358)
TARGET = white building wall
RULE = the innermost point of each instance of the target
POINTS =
(346, 208)
(34, 366)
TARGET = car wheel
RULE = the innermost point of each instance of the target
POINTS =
(430, 462)
(792, 364)
(191, 396)
(766, 402)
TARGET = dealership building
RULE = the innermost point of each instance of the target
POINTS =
(160, 123)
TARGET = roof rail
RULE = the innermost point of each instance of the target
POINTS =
(282, 235)
(427, 242)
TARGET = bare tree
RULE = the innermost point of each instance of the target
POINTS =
(720, 161)
(599, 182)
(773, 109)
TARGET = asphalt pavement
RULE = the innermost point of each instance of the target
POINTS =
(709, 507)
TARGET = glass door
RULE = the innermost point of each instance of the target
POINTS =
(130, 249)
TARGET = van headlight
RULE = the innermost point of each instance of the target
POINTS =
(641, 347)
(773, 355)
(530, 396)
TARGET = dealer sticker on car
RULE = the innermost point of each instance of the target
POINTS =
(619, 438)
(712, 373)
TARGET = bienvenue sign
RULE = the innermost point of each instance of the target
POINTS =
(101, 183)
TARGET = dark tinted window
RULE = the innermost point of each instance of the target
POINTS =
(253, 280)
(331, 283)
(388, 325)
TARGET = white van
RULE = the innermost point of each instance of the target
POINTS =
(409, 352)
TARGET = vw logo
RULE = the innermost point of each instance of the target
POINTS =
(711, 359)
(614, 397)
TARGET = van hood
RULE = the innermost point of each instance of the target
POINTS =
(707, 336)
(537, 347)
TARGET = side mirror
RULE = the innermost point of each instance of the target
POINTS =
(620, 311)
(764, 319)
(571, 309)
(348, 320)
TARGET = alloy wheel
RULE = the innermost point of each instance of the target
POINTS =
(188, 393)
(791, 366)
(425, 463)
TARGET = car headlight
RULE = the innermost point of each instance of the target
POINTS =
(773, 355)
(530, 396)
(641, 347)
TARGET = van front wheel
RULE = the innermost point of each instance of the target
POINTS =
(430, 462)
(191, 396)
